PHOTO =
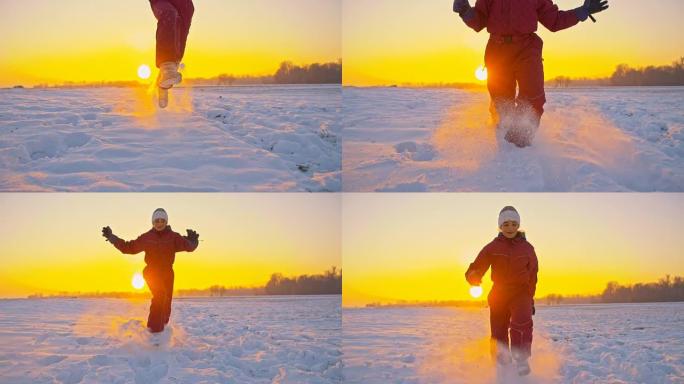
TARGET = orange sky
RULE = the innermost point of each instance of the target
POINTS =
(106, 40)
(423, 41)
(418, 246)
(52, 242)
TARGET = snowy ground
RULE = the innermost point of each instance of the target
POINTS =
(572, 344)
(244, 340)
(262, 138)
(590, 139)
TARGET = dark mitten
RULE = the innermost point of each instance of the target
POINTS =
(192, 236)
(107, 234)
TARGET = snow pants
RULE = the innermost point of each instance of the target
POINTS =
(160, 281)
(173, 25)
(511, 60)
(510, 310)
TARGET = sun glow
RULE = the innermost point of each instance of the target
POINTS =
(138, 281)
(481, 73)
(144, 71)
(476, 291)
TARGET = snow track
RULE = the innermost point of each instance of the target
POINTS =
(590, 140)
(608, 343)
(241, 340)
(269, 138)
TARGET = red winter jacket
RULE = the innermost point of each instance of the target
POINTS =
(160, 246)
(513, 263)
(518, 17)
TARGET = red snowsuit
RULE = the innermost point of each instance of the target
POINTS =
(514, 51)
(160, 252)
(173, 25)
(514, 273)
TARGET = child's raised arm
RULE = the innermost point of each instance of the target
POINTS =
(128, 247)
(474, 17)
(187, 243)
(555, 20)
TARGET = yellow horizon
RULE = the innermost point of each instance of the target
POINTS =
(426, 43)
(56, 244)
(417, 248)
(241, 37)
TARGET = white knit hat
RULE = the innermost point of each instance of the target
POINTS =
(160, 213)
(508, 214)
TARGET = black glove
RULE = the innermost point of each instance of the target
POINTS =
(472, 278)
(192, 236)
(461, 6)
(595, 6)
(533, 310)
(107, 233)
(590, 7)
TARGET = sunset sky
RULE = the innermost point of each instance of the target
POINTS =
(418, 246)
(423, 41)
(53, 242)
(46, 41)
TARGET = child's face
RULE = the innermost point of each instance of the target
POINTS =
(159, 224)
(510, 229)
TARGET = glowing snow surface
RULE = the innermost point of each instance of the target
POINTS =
(590, 139)
(213, 139)
(612, 343)
(229, 340)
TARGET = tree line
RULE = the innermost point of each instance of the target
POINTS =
(327, 73)
(287, 73)
(328, 283)
(624, 75)
(667, 289)
(663, 75)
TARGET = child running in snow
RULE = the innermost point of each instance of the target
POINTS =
(160, 245)
(511, 300)
(173, 25)
(514, 55)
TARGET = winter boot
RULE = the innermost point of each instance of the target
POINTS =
(520, 137)
(503, 357)
(168, 75)
(523, 367)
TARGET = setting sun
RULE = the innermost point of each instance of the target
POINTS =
(476, 291)
(144, 71)
(138, 281)
(481, 73)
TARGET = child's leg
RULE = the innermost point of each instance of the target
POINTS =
(499, 60)
(168, 31)
(169, 295)
(529, 73)
(186, 13)
(499, 320)
(521, 326)
(153, 280)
